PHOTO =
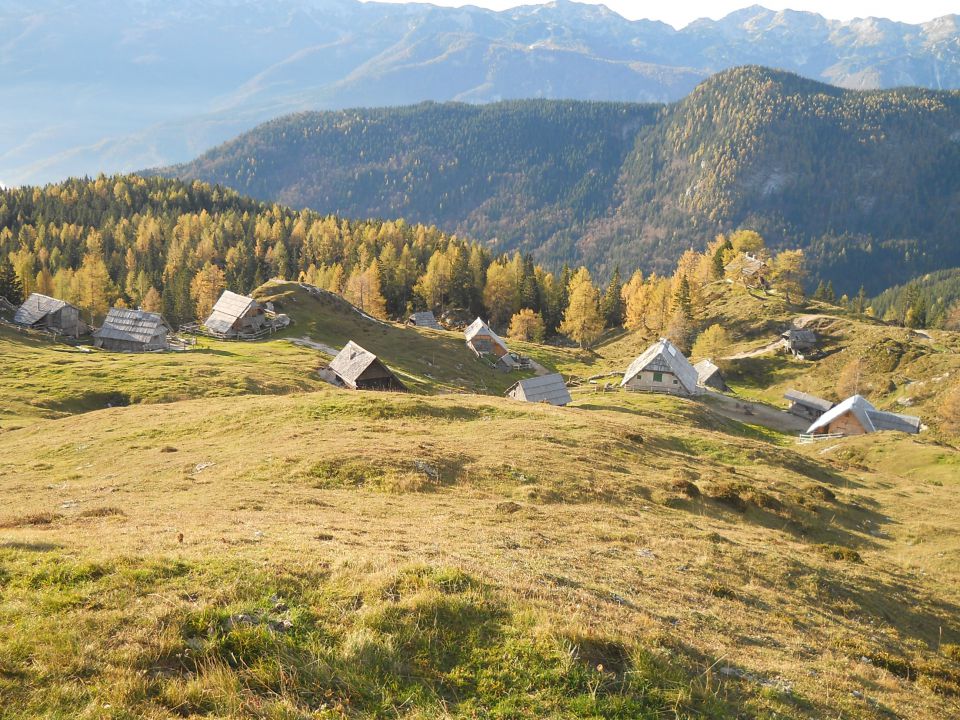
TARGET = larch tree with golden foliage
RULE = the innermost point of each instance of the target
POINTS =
(582, 322)
(712, 343)
(206, 288)
(789, 273)
(363, 290)
(527, 326)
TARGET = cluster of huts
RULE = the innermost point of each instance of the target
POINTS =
(660, 368)
(133, 330)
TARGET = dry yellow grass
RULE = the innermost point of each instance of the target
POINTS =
(643, 522)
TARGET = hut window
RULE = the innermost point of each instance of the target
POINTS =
(658, 377)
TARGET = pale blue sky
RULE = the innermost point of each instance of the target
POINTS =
(680, 12)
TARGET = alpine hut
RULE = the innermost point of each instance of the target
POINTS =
(132, 331)
(546, 388)
(46, 313)
(799, 341)
(857, 416)
(751, 270)
(484, 341)
(709, 376)
(235, 315)
(359, 369)
(806, 406)
(424, 319)
(662, 368)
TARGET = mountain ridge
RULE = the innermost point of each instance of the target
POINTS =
(127, 75)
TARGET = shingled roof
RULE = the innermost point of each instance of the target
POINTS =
(668, 354)
(36, 308)
(868, 416)
(137, 326)
(425, 319)
(546, 388)
(808, 400)
(229, 308)
(479, 327)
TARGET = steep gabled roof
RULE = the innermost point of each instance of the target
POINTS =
(667, 353)
(425, 319)
(706, 370)
(546, 388)
(479, 327)
(807, 400)
(869, 417)
(229, 308)
(746, 264)
(136, 326)
(800, 335)
(353, 361)
(35, 308)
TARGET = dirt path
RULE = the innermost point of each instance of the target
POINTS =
(307, 342)
(769, 348)
(755, 413)
(538, 369)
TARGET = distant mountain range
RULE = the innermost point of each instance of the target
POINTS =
(867, 182)
(123, 84)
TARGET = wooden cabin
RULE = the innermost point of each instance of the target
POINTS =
(424, 319)
(749, 269)
(709, 376)
(857, 416)
(359, 369)
(132, 331)
(662, 368)
(484, 341)
(235, 315)
(41, 312)
(546, 388)
(806, 406)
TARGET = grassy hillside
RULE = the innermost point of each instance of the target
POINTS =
(865, 182)
(352, 555)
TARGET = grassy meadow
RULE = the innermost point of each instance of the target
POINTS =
(234, 538)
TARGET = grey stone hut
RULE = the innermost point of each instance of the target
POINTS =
(360, 369)
(132, 331)
(662, 368)
(42, 312)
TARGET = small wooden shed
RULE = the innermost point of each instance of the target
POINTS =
(806, 406)
(662, 368)
(751, 270)
(42, 312)
(709, 375)
(235, 315)
(857, 416)
(360, 369)
(132, 331)
(546, 388)
(424, 319)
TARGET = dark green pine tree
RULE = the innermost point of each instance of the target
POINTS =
(611, 307)
(860, 302)
(10, 286)
(830, 295)
(529, 289)
(821, 292)
(681, 299)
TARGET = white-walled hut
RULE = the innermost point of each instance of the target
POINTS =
(662, 368)
(235, 315)
(856, 416)
(484, 341)
(709, 375)
(42, 312)
(545, 388)
(424, 319)
(360, 369)
(806, 406)
(132, 331)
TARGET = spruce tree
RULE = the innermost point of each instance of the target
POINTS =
(10, 286)
(612, 304)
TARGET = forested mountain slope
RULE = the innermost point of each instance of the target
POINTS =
(862, 180)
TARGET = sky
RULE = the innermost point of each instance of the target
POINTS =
(681, 12)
